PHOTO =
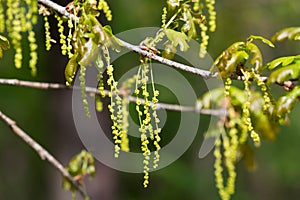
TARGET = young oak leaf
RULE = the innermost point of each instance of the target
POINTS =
(4, 44)
(177, 38)
(264, 40)
(285, 73)
(283, 61)
(71, 70)
(291, 33)
(285, 103)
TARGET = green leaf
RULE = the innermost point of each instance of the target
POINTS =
(4, 43)
(256, 57)
(237, 96)
(71, 69)
(291, 33)
(248, 156)
(230, 58)
(263, 125)
(189, 25)
(90, 53)
(284, 73)
(216, 96)
(177, 38)
(82, 164)
(66, 185)
(111, 40)
(285, 103)
(264, 40)
(209, 98)
(173, 3)
(283, 61)
(108, 30)
(169, 50)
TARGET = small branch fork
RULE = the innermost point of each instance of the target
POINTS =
(43, 153)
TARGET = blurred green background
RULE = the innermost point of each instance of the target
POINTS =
(47, 117)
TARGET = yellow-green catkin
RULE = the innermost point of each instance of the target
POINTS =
(142, 78)
(204, 41)
(61, 34)
(2, 17)
(32, 11)
(164, 17)
(156, 130)
(122, 121)
(196, 6)
(100, 68)
(14, 28)
(229, 143)
(246, 118)
(148, 118)
(69, 38)
(146, 127)
(31, 19)
(125, 124)
(230, 150)
(219, 170)
(264, 89)
(102, 5)
(115, 126)
(118, 111)
(33, 53)
(228, 83)
(83, 91)
(210, 4)
(47, 33)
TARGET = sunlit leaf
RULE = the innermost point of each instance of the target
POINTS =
(230, 58)
(189, 25)
(90, 53)
(285, 103)
(177, 38)
(264, 40)
(79, 166)
(71, 69)
(209, 98)
(169, 50)
(261, 120)
(4, 43)
(248, 156)
(255, 56)
(237, 96)
(173, 3)
(283, 61)
(285, 73)
(264, 125)
(291, 33)
(111, 40)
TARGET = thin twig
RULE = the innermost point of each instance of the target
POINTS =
(43, 153)
(200, 72)
(60, 9)
(91, 90)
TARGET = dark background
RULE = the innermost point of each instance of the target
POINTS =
(47, 117)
